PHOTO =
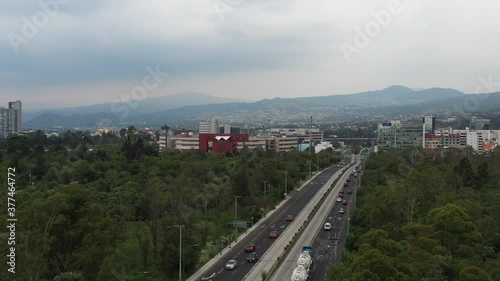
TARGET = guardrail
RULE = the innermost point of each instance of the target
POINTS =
(297, 234)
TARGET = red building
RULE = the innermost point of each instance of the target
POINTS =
(221, 143)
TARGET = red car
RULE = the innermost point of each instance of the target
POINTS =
(348, 180)
(344, 202)
(274, 234)
(250, 248)
(289, 218)
(341, 195)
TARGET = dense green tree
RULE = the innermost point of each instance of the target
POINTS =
(70, 276)
(454, 227)
(473, 273)
(464, 174)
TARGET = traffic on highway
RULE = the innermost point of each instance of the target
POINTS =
(263, 234)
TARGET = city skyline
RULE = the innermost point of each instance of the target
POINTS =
(90, 52)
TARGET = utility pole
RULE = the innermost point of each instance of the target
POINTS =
(310, 135)
(317, 161)
(265, 187)
(236, 216)
(180, 250)
(286, 187)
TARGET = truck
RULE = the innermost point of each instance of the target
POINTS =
(299, 274)
(304, 264)
(309, 249)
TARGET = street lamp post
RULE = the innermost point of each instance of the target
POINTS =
(236, 216)
(180, 250)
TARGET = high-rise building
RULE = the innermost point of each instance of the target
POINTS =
(396, 135)
(479, 124)
(11, 118)
(208, 126)
(429, 124)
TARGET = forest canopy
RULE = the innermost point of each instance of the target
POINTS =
(104, 207)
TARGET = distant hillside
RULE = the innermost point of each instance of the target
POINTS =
(392, 101)
(147, 105)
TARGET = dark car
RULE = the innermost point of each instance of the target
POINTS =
(346, 184)
(344, 202)
(253, 257)
(250, 248)
(289, 218)
(274, 234)
(349, 191)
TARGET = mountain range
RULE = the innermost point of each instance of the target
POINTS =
(187, 109)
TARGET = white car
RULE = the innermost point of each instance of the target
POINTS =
(341, 211)
(339, 199)
(231, 264)
(327, 226)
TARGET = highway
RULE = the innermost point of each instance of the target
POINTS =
(329, 245)
(310, 235)
(259, 233)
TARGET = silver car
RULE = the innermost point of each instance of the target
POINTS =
(231, 264)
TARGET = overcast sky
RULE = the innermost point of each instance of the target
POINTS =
(96, 51)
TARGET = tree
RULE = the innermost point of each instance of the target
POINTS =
(464, 174)
(453, 226)
(70, 276)
(473, 273)
(481, 177)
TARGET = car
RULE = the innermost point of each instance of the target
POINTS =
(349, 191)
(231, 264)
(344, 202)
(341, 191)
(250, 248)
(253, 257)
(352, 173)
(341, 195)
(355, 174)
(289, 218)
(274, 234)
(339, 199)
(327, 226)
(346, 184)
(341, 211)
(348, 180)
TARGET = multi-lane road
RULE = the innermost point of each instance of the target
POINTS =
(329, 245)
(323, 241)
(259, 235)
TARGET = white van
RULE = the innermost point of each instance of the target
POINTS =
(327, 226)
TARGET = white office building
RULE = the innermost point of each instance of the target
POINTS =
(11, 118)
(208, 126)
